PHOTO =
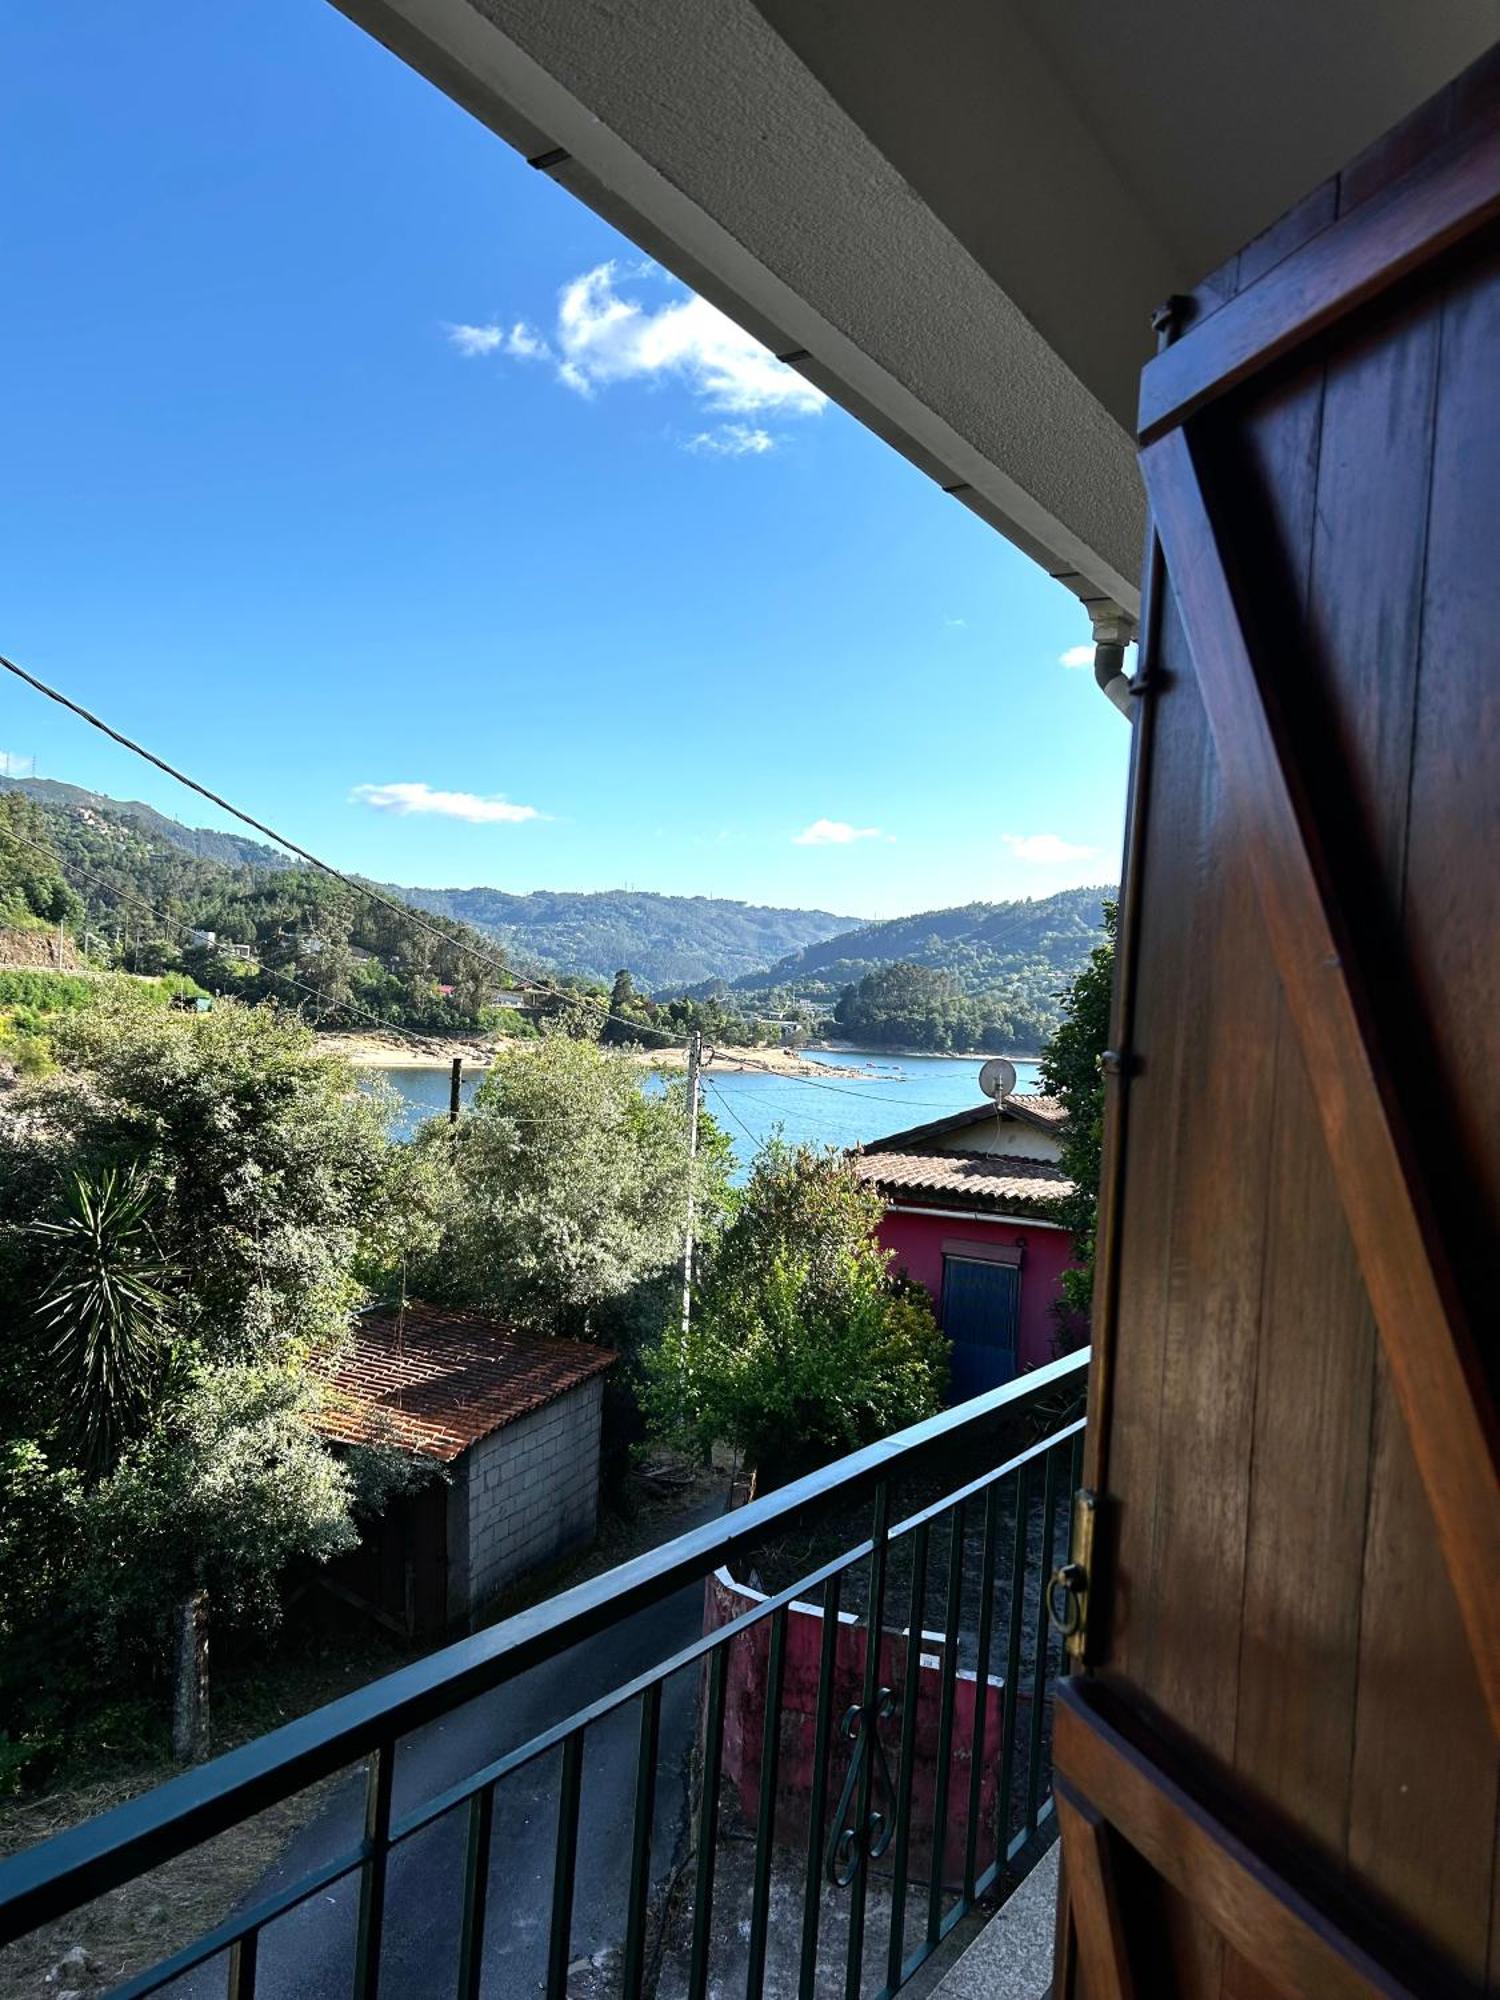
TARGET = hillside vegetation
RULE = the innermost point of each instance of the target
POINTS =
(668, 942)
(982, 975)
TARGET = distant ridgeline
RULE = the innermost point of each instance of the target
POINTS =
(668, 942)
(985, 975)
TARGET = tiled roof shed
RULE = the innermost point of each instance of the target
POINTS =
(435, 1380)
(984, 1182)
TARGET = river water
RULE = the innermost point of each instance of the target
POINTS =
(897, 1091)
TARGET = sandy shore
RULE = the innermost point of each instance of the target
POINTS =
(374, 1050)
(378, 1051)
(784, 1062)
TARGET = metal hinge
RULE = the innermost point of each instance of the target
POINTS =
(1068, 1592)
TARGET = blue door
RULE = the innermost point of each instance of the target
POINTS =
(981, 1316)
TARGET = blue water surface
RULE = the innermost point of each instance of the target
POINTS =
(894, 1092)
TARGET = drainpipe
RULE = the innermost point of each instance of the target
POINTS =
(1113, 631)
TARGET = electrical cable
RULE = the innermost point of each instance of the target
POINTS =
(724, 1101)
(405, 910)
(174, 923)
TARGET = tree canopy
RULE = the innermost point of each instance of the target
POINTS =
(800, 1345)
(1071, 1069)
(563, 1191)
(915, 1006)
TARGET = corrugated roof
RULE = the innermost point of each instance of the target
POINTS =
(434, 1380)
(1030, 1108)
(997, 1181)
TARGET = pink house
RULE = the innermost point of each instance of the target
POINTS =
(969, 1214)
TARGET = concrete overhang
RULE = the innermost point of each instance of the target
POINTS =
(955, 218)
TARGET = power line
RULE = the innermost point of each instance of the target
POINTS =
(404, 910)
(174, 923)
(724, 1101)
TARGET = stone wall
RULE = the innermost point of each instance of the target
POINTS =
(532, 1493)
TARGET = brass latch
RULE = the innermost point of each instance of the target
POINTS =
(1068, 1592)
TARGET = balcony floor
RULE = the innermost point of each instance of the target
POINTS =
(1011, 1959)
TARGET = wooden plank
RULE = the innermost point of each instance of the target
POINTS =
(1366, 253)
(1433, 1358)
(1159, 1266)
(1422, 1791)
(1427, 1766)
(1093, 1898)
(1269, 1922)
(1292, 1540)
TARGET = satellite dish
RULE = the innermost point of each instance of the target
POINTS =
(998, 1079)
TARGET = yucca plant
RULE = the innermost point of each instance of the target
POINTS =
(105, 1305)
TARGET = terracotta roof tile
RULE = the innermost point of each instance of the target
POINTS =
(433, 1380)
(997, 1181)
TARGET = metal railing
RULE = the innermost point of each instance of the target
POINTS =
(939, 1763)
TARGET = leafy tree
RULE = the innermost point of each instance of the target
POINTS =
(185, 1204)
(269, 1160)
(221, 1492)
(1071, 1070)
(800, 1345)
(33, 889)
(568, 1191)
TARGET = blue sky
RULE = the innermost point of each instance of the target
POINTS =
(363, 472)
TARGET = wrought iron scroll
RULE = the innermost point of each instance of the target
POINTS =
(850, 1845)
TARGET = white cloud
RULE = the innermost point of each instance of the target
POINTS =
(607, 332)
(521, 341)
(834, 833)
(732, 441)
(420, 798)
(1044, 847)
(472, 340)
(957, 624)
(1076, 656)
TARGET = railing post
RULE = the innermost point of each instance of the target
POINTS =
(910, 1697)
(476, 1893)
(812, 1895)
(945, 1726)
(708, 1823)
(1039, 1676)
(981, 1686)
(634, 1970)
(765, 1822)
(565, 1866)
(1010, 1693)
(879, 1543)
(372, 1876)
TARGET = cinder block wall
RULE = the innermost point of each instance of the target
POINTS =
(533, 1493)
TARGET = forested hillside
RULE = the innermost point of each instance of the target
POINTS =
(668, 942)
(288, 933)
(980, 975)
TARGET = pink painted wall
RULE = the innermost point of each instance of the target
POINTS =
(744, 1723)
(917, 1241)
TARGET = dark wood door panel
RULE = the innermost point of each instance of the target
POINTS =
(1300, 1539)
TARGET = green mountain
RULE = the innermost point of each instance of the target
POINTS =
(982, 973)
(232, 849)
(668, 942)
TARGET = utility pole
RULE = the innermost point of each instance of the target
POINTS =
(455, 1088)
(694, 1064)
